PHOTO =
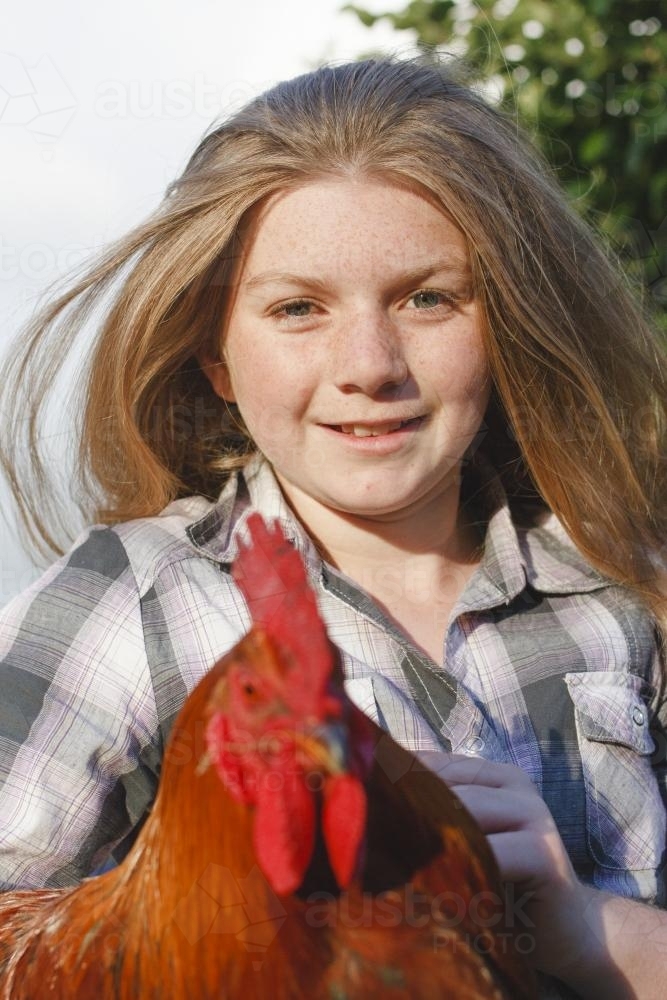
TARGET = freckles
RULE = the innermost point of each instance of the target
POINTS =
(238, 356)
(272, 410)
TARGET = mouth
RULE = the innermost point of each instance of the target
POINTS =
(375, 429)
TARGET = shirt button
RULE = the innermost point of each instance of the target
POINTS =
(638, 715)
(474, 745)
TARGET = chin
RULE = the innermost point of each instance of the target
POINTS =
(381, 509)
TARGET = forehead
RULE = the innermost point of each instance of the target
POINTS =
(337, 220)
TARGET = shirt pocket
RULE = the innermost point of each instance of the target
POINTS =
(625, 816)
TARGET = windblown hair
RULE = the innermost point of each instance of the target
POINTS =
(576, 421)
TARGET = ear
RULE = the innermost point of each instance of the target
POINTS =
(217, 372)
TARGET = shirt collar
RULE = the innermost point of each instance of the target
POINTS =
(542, 556)
(255, 487)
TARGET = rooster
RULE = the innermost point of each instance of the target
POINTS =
(294, 850)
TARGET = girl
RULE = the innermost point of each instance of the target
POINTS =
(366, 310)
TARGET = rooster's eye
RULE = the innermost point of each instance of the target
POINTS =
(247, 684)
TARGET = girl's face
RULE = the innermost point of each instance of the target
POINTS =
(353, 347)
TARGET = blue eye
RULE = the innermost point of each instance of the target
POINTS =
(427, 299)
(300, 307)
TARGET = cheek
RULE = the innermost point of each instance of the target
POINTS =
(477, 384)
(472, 369)
(459, 376)
(271, 395)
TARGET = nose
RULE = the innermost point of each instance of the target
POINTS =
(370, 356)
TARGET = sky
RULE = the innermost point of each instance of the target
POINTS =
(100, 107)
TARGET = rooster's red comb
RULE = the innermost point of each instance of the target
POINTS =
(272, 578)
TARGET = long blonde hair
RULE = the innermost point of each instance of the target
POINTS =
(577, 417)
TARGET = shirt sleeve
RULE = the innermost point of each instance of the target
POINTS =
(658, 710)
(79, 735)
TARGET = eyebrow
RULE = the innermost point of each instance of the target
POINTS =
(282, 278)
(458, 267)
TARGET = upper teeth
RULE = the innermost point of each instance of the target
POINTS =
(361, 430)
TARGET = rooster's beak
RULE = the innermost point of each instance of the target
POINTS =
(325, 746)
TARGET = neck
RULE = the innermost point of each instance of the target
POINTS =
(195, 825)
(192, 865)
(436, 534)
(415, 564)
(196, 829)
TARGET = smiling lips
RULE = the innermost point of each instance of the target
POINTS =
(373, 429)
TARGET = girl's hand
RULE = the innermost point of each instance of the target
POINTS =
(600, 945)
(548, 900)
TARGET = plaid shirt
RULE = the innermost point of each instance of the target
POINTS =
(546, 665)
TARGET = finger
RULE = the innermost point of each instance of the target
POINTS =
(519, 856)
(501, 809)
(458, 769)
(532, 860)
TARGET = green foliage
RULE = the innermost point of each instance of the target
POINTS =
(589, 79)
